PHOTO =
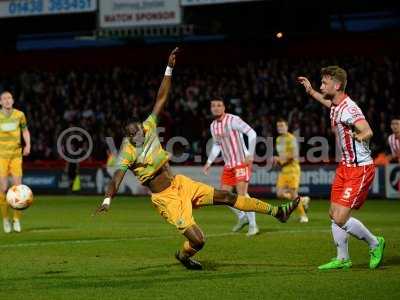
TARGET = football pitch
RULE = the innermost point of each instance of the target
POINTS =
(128, 253)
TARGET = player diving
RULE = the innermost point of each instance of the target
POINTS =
(174, 196)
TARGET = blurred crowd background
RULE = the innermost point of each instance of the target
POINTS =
(260, 91)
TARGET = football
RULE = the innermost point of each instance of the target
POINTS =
(20, 197)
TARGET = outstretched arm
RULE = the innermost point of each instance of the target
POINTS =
(112, 189)
(313, 93)
(163, 91)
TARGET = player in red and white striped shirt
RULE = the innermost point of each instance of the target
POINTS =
(394, 144)
(394, 140)
(355, 172)
(227, 131)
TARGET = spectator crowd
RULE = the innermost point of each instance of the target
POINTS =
(100, 100)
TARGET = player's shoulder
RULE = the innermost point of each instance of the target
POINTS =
(18, 112)
(232, 117)
(350, 102)
(351, 107)
(390, 137)
(127, 146)
(291, 136)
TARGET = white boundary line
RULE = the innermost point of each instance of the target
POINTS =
(165, 237)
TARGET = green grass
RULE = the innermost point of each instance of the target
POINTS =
(65, 253)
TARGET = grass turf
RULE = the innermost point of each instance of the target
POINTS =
(65, 253)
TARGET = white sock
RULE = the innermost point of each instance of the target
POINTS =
(340, 237)
(240, 214)
(251, 216)
(358, 230)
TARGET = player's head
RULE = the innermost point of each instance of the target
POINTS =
(333, 81)
(395, 125)
(282, 126)
(217, 106)
(134, 132)
(6, 100)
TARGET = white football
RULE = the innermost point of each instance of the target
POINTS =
(20, 196)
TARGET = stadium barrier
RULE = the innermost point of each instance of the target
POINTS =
(315, 180)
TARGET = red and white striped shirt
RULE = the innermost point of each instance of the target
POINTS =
(343, 118)
(228, 133)
(394, 143)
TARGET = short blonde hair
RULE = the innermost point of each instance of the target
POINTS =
(336, 73)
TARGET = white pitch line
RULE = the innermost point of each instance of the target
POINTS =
(46, 243)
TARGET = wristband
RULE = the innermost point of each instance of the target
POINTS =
(107, 201)
(168, 71)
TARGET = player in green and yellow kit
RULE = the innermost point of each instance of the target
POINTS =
(174, 196)
(287, 185)
(12, 125)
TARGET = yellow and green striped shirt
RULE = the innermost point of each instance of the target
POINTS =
(286, 146)
(10, 133)
(146, 160)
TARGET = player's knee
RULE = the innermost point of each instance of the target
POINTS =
(231, 198)
(339, 219)
(225, 197)
(198, 243)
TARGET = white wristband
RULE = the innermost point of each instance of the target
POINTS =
(107, 201)
(168, 71)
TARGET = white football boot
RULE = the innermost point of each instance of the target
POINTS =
(303, 219)
(243, 221)
(253, 230)
(17, 226)
(7, 225)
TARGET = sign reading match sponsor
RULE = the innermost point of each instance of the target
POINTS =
(23, 8)
(131, 13)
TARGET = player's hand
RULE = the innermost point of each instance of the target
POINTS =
(206, 168)
(249, 160)
(172, 57)
(275, 160)
(104, 207)
(27, 150)
(306, 83)
(358, 137)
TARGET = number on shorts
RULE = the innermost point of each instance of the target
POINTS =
(347, 193)
(241, 172)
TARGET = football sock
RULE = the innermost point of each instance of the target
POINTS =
(253, 204)
(238, 213)
(340, 237)
(358, 230)
(187, 250)
(251, 216)
(3, 206)
(17, 215)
